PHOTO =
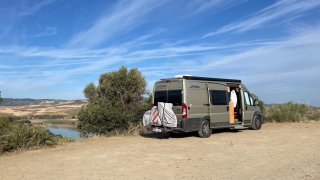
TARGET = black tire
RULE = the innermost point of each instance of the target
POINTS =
(205, 130)
(256, 123)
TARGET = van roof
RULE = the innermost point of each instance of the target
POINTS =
(205, 79)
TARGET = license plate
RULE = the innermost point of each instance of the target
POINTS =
(156, 130)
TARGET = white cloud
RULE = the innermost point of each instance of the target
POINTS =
(125, 15)
(279, 11)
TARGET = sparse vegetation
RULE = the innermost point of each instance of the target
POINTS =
(290, 112)
(115, 104)
(287, 112)
(16, 135)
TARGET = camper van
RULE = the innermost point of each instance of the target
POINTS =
(202, 104)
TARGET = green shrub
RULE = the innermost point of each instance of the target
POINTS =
(289, 112)
(22, 135)
(101, 117)
(115, 104)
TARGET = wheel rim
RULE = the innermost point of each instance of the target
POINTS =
(257, 122)
(206, 129)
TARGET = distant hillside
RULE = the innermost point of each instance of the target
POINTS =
(27, 101)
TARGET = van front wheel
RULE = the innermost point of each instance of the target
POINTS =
(205, 130)
(257, 123)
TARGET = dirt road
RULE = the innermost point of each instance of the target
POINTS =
(277, 151)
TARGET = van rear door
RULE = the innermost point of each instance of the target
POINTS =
(170, 92)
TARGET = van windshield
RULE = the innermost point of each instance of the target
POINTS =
(170, 96)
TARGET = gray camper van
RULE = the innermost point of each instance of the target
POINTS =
(202, 104)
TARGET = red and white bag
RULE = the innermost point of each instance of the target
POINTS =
(154, 118)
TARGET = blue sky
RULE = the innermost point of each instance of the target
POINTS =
(53, 48)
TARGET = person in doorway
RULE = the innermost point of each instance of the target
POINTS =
(233, 98)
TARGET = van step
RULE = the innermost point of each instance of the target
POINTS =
(239, 127)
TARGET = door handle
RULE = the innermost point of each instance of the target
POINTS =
(206, 104)
(227, 108)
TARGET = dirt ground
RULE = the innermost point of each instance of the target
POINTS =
(277, 151)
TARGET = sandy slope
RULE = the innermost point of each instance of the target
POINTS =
(278, 151)
(66, 109)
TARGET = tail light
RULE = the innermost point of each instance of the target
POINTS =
(184, 111)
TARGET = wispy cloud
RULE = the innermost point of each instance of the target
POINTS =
(125, 16)
(130, 52)
(203, 5)
(212, 54)
(48, 31)
(24, 8)
(12, 13)
(255, 64)
(278, 71)
(277, 11)
(300, 49)
(267, 66)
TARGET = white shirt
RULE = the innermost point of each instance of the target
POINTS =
(233, 97)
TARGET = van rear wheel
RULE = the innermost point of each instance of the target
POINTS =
(205, 130)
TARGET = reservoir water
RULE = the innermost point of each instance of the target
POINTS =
(69, 132)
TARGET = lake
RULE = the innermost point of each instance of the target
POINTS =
(69, 132)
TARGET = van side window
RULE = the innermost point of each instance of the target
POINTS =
(251, 101)
(248, 99)
(171, 96)
(219, 97)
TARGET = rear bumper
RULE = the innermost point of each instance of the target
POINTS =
(161, 129)
(184, 125)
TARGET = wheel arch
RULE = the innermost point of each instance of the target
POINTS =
(257, 113)
(206, 118)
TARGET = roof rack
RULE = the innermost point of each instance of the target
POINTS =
(211, 79)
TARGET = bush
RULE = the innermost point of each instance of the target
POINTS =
(289, 112)
(101, 117)
(20, 135)
(0, 98)
(113, 105)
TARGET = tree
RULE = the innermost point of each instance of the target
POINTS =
(123, 87)
(0, 98)
(114, 103)
(90, 92)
